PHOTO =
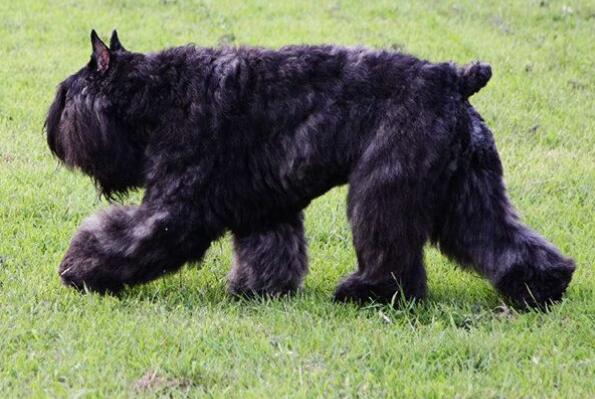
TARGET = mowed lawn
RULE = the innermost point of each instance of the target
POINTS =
(182, 336)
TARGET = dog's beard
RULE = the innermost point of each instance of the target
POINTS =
(84, 134)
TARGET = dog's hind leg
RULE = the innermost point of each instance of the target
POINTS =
(480, 229)
(130, 245)
(478, 226)
(271, 260)
(389, 234)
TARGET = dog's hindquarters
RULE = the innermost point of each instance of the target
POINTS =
(391, 185)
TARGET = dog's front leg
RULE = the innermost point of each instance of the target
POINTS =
(271, 260)
(130, 245)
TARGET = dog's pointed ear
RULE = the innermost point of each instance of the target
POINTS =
(101, 54)
(114, 42)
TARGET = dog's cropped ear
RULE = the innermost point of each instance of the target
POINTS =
(114, 42)
(101, 54)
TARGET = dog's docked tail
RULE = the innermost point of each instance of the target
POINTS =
(473, 77)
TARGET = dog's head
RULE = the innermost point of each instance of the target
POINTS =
(87, 125)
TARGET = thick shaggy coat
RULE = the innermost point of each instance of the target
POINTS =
(242, 139)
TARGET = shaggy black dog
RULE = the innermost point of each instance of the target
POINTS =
(242, 139)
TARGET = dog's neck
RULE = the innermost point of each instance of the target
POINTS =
(148, 94)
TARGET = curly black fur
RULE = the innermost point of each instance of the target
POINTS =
(242, 139)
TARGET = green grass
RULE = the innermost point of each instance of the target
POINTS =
(183, 336)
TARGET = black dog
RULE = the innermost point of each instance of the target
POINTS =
(242, 139)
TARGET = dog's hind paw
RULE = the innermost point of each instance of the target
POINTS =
(528, 287)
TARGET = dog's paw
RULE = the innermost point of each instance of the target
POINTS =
(357, 290)
(85, 267)
(242, 289)
(81, 275)
(529, 287)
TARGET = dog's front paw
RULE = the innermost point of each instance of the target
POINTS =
(85, 266)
